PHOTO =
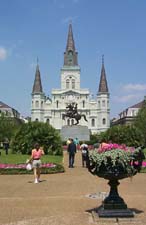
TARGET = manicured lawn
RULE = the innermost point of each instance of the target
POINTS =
(19, 158)
(16, 164)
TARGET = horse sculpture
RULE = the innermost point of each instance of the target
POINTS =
(73, 113)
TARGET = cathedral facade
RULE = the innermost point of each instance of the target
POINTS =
(51, 109)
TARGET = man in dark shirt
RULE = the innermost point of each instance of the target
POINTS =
(6, 145)
(72, 151)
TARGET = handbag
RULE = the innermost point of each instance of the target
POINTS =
(29, 166)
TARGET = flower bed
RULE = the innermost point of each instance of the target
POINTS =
(47, 168)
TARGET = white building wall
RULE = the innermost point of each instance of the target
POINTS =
(37, 107)
(70, 75)
(50, 111)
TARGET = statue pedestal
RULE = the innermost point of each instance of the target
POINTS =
(75, 131)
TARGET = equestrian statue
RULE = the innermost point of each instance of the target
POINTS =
(72, 112)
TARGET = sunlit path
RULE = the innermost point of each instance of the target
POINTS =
(62, 199)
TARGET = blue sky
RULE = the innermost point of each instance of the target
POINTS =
(38, 28)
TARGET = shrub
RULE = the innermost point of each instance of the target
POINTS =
(8, 127)
(128, 135)
(42, 133)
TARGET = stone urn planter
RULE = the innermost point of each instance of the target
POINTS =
(114, 162)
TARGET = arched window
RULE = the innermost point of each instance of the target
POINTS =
(57, 102)
(73, 83)
(103, 103)
(36, 119)
(6, 113)
(93, 122)
(42, 104)
(107, 103)
(83, 104)
(98, 104)
(103, 121)
(72, 122)
(48, 121)
(37, 104)
(67, 84)
(68, 122)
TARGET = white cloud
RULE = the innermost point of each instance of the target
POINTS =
(134, 87)
(125, 98)
(3, 53)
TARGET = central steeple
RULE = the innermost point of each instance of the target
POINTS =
(103, 87)
(37, 86)
(70, 55)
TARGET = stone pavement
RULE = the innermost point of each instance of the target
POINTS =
(67, 198)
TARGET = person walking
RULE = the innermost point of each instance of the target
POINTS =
(85, 154)
(36, 154)
(6, 145)
(76, 141)
(72, 151)
(68, 141)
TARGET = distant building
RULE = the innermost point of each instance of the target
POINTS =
(127, 116)
(25, 119)
(51, 109)
(8, 111)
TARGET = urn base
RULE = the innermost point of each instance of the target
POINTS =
(108, 213)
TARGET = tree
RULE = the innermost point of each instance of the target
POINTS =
(94, 138)
(122, 134)
(140, 123)
(37, 132)
(8, 127)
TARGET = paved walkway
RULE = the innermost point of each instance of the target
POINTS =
(66, 199)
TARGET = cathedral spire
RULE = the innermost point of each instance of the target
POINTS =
(37, 86)
(70, 40)
(70, 55)
(103, 87)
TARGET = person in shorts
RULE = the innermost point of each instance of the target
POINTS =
(36, 155)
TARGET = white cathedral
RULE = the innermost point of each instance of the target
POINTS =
(51, 109)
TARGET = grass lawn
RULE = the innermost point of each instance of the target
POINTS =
(19, 158)
(50, 163)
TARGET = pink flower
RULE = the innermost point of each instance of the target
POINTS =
(23, 166)
(143, 164)
(107, 147)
